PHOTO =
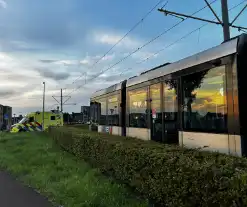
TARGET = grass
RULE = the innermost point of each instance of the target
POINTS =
(65, 180)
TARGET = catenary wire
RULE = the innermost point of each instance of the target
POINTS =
(180, 39)
(139, 48)
(120, 40)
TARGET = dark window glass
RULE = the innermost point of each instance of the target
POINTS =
(102, 111)
(205, 101)
(94, 111)
(138, 108)
(53, 118)
(113, 111)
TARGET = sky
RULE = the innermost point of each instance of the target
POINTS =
(60, 40)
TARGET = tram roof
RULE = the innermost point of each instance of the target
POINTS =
(222, 50)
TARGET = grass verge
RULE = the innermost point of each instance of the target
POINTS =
(65, 180)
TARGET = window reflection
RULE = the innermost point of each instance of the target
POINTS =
(102, 111)
(170, 100)
(113, 111)
(156, 115)
(205, 100)
(138, 108)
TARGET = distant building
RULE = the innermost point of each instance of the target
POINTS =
(85, 110)
(1, 116)
(5, 117)
(76, 117)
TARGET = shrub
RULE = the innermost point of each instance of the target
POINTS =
(170, 175)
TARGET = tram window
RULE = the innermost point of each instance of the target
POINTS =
(138, 108)
(205, 101)
(113, 111)
(53, 118)
(31, 119)
(102, 111)
(170, 100)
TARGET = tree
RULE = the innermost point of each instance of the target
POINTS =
(190, 83)
(66, 117)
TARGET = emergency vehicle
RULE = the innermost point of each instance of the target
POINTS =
(33, 121)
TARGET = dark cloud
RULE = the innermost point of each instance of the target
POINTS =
(47, 73)
(48, 61)
(46, 24)
(7, 93)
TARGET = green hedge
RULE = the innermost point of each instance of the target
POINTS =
(169, 175)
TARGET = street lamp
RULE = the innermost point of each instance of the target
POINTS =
(43, 115)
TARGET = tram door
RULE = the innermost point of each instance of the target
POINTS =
(156, 113)
(170, 112)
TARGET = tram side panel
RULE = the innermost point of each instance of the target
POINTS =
(242, 88)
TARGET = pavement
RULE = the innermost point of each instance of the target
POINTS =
(15, 194)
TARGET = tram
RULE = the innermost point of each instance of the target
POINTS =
(199, 101)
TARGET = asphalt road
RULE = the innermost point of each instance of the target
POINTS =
(15, 194)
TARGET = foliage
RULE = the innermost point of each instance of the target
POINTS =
(66, 117)
(169, 175)
(34, 159)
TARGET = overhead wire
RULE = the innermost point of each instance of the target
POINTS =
(139, 48)
(120, 40)
(186, 35)
(181, 38)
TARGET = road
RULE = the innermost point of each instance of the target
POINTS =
(15, 194)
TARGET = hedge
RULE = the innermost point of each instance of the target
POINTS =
(169, 175)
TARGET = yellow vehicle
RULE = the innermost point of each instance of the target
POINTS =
(33, 121)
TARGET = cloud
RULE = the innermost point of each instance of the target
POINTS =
(41, 25)
(89, 60)
(6, 93)
(3, 4)
(111, 38)
(19, 81)
(47, 73)
(142, 55)
(48, 61)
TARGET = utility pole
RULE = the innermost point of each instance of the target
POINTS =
(43, 114)
(61, 102)
(224, 22)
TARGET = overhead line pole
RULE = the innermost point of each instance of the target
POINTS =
(61, 102)
(187, 16)
(43, 114)
(224, 22)
(212, 10)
